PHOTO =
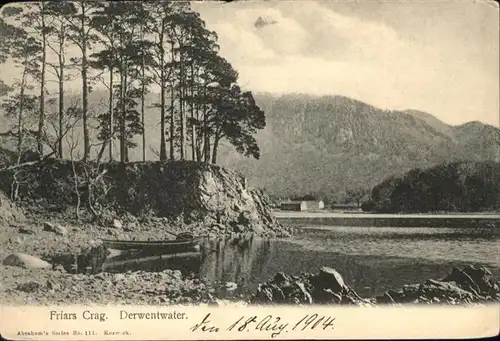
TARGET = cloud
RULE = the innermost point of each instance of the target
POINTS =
(314, 49)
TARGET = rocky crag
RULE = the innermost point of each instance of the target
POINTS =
(190, 193)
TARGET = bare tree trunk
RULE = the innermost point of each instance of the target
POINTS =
(61, 96)
(215, 147)
(206, 143)
(41, 117)
(143, 90)
(163, 146)
(85, 91)
(125, 92)
(172, 102)
(111, 118)
(20, 118)
(85, 104)
(75, 187)
(172, 122)
(181, 112)
(20, 131)
(122, 113)
(101, 151)
(193, 126)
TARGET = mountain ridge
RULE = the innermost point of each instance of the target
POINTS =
(363, 143)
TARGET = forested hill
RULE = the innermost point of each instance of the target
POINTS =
(458, 186)
(327, 145)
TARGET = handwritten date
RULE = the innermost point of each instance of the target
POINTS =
(272, 324)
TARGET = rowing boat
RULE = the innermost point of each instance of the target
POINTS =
(162, 247)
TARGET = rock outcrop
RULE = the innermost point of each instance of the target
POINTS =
(467, 285)
(327, 287)
(462, 286)
(191, 192)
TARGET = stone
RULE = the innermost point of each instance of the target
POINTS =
(117, 224)
(300, 293)
(100, 276)
(55, 228)
(324, 296)
(478, 281)
(16, 240)
(60, 230)
(238, 228)
(26, 261)
(281, 278)
(230, 286)
(482, 277)
(118, 278)
(48, 226)
(329, 278)
(59, 268)
(447, 290)
(176, 274)
(268, 294)
(30, 286)
(25, 231)
(53, 286)
(243, 218)
(462, 279)
(217, 226)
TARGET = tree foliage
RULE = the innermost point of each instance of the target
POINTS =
(132, 49)
(458, 186)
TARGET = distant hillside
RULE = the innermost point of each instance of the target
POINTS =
(432, 121)
(457, 187)
(330, 144)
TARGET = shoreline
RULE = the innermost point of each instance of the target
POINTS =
(168, 287)
(368, 215)
(45, 287)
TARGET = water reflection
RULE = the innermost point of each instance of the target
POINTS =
(238, 261)
(371, 260)
(187, 263)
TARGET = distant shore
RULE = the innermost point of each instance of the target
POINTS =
(363, 219)
(368, 215)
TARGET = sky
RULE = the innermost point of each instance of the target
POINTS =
(434, 56)
(438, 57)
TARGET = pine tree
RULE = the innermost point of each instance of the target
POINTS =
(159, 20)
(82, 34)
(24, 51)
(57, 42)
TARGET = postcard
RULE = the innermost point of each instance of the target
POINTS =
(177, 170)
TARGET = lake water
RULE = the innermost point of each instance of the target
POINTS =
(371, 259)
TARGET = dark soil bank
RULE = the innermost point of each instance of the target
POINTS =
(187, 192)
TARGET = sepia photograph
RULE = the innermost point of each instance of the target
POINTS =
(247, 154)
